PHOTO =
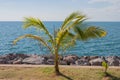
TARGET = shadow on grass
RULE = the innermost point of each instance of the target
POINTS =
(67, 77)
(111, 76)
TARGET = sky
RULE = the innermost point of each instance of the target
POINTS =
(58, 10)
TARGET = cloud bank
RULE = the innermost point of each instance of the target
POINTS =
(110, 12)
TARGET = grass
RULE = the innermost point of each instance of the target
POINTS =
(47, 73)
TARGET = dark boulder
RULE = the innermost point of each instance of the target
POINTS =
(19, 61)
(33, 60)
(96, 62)
(93, 57)
(82, 62)
(50, 61)
(3, 61)
(70, 59)
(63, 62)
(113, 60)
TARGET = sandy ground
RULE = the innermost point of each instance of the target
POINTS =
(71, 66)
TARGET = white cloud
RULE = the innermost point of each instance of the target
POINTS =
(108, 1)
(103, 14)
(108, 13)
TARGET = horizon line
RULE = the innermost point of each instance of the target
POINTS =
(52, 21)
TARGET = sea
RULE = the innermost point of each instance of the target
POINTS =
(106, 46)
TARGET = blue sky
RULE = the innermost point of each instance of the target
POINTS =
(52, 10)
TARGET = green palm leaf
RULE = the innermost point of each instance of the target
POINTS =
(74, 19)
(94, 32)
(34, 22)
(74, 16)
(80, 34)
(33, 37)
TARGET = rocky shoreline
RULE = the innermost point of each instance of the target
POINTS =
(63, 60)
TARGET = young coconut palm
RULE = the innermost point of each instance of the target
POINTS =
(66, 36)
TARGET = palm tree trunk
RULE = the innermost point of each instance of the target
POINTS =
(56, 63)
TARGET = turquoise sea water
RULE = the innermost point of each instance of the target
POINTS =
(107, 46)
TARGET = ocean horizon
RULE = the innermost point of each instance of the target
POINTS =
(107, 46)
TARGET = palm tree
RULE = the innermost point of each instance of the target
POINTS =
(70, 31)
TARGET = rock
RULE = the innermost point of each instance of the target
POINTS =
(86, 57)
(13, 58)
(3, 61)
(10, 56)
(49, 56)
(93, 57)
(33, 60)
(63, 62)
(70, 59)
(50, 61)
(96, 62)
(10, 62)
(113, 61)
(82, 62)
(19, 61)
(22, 56)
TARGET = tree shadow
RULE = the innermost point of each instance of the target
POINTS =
(111, 76)
(63, 75)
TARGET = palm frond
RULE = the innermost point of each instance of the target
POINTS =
(71, 18)
(68, 37)
(40, 39)
(60, 35)
(69, 44)
(33, 22)
(80, 33)
(78, 22)
(64, 33)
(70, 22)
(38, 24)
(94, 32)
(68, 41)
(89, 32)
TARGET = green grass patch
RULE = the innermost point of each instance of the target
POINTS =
(47, 73)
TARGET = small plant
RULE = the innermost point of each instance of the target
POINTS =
(105, 65)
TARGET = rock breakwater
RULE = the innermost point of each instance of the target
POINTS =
(34, 59)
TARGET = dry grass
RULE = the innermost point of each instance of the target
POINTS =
(47, 73)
